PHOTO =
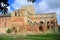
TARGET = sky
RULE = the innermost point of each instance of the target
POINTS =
(41, 6)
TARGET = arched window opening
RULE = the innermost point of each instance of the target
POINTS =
(41, 22)
(51, 22)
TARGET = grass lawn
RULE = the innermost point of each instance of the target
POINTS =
(30, 37)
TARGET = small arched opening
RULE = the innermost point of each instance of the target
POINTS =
(41, 22)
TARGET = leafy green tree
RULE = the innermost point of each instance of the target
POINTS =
(59, 27)
(3, 6)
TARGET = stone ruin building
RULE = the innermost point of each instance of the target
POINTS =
(25, 20)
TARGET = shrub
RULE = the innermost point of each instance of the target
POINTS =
(8, 30)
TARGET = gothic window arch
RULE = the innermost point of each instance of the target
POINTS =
(41, 22)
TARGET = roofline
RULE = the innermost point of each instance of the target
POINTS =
(45, 13)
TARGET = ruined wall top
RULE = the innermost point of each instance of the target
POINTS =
(28, 8)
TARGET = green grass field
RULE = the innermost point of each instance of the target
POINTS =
(30, 37)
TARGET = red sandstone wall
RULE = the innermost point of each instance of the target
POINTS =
(5, 22)
(18, 22)
(8, 21)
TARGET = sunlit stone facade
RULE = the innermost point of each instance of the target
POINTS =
(25, 20)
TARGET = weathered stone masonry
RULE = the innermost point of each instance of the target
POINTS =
(25, 20)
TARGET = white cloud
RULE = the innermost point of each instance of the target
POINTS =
(41, 7)
(54, 6)
(9, 9)
(58, 11)
(58, 15)
(18, 3)
(53, 3)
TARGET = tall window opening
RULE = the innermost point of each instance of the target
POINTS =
(40, 28)
(15, 14)
(41, 25)
(47, 25)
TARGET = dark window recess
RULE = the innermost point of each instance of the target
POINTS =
(13, 27)
(41, 22)
(40, 28)
(51, 22)
(47, 22)
(47, 25)
(28, 21)
(15, 14)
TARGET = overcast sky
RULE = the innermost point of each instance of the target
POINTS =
(41, 6)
